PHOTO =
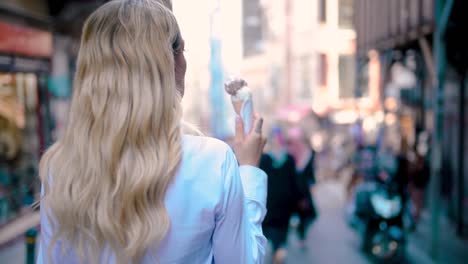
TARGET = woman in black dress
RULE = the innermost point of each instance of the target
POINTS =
(279, 166)
(299, 148)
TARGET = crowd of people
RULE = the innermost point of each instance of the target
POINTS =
(289, 161)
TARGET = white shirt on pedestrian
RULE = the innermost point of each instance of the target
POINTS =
(216, 210)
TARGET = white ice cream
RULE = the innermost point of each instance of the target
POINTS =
(242, 94)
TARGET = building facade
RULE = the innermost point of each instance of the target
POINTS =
(304, 54)
(25, 123)
(422, 77)
(37, 58)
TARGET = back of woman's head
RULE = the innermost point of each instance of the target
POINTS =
(106, 179)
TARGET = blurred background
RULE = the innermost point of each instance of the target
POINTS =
(353, 74)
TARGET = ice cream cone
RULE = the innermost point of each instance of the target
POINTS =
(237, 106)
(241, 98)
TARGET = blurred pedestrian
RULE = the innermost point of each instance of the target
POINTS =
(123, 184)
(279, 166)
(304, 157)
(401, 177)
(419, 175)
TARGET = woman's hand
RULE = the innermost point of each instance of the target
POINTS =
(249, 148)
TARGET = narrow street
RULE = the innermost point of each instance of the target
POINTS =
(377, 89)
(14, 254)
(330, 240)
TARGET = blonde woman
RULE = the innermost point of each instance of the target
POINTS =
(124, 185)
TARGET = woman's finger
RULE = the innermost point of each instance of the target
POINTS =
(258, 125)
(239, 129)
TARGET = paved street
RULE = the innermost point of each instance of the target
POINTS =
(14, 254)
(329, 240)
(14, 251)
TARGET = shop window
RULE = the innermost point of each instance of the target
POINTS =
(305, 77)
(346, 73)
(362, 87)
(322, 69)
(323, 11)
(252, 27)
(345, 14)
(19, 143)
(275, 80)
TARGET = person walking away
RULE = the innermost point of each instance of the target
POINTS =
(126, 184)
(279, 166)
(304, 157)
(419, 174)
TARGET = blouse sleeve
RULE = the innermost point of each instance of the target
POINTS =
(238, 236)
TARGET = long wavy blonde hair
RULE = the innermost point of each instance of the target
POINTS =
(105, 181)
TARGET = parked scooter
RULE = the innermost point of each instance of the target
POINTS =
(377, 213)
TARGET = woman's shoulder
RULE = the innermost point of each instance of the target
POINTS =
(205, 161)
(206, 148)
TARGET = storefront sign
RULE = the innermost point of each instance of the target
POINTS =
(10, 63)
(20, 40)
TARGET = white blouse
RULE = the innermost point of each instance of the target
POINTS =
(216, 210)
